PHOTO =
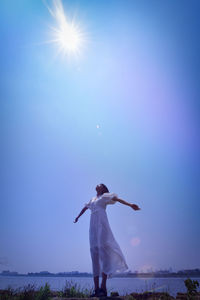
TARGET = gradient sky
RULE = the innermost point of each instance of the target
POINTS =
(125, 113)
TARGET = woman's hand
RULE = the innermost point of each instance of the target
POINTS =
(135, 206)
(76, 220)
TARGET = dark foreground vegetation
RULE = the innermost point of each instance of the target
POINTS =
(73, 290)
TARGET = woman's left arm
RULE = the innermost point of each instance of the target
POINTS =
(134, 206)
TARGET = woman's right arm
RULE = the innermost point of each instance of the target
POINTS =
(134, 206)
(82, 212)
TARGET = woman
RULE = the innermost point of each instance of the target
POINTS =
(107, 257)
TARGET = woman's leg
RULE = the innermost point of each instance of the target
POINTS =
(96, 282)
(95, 266)
(103, 283)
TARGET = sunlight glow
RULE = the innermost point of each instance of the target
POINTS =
(67, 34)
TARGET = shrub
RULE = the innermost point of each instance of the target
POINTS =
(73, 290)
(28, 293)
(8, 294)
(44, 293)
(191, 286)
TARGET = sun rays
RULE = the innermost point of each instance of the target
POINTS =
(67, 34)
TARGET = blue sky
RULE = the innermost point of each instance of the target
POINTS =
(125, 113)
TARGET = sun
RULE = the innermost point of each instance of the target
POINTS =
(67, 34)
(69, 38)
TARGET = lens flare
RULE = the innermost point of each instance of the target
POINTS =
(135, 241)
(67, 34)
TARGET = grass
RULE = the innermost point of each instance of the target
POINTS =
(74, 290)
(30, 292)
(151, 288)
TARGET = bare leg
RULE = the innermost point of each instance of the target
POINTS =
(95, 265)
(96, 282)
(103, 283)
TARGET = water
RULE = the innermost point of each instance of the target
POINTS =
(122, 285)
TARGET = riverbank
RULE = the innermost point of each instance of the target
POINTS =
(46, 294)
(74, 291)
(54, 295)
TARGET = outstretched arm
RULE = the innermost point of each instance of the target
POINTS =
(82, 212)
(134, 206)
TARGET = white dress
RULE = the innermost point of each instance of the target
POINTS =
(105, 252)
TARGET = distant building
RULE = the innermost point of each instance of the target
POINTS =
(7, 272)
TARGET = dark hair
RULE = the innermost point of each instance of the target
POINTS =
(105, 189)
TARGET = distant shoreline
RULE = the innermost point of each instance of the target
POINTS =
(138, 275)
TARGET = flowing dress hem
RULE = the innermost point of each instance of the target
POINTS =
(114, 271)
